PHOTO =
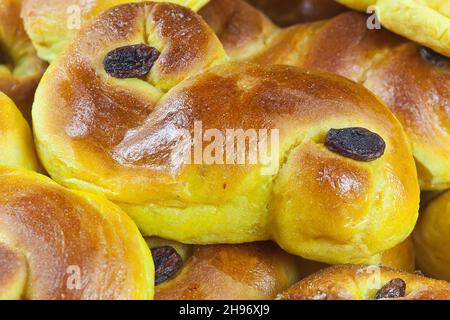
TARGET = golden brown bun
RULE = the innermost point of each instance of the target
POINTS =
(115, 136)
(61, 244)
(250, 271)
(62, 19)
(288, 12)
(16, 141)
(355, 282)
(416, 89)
(20, 68)
(52, 24)
(401, 257)
(256, 271)
(432, 238)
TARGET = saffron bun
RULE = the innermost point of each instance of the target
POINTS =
(119, 137)
(255, 271)
(432, 238)
(356, 282)
(412, 80)
(288, 12)
(401, 257)
(52, 25)
(61, 244)
(20, 68)
(424, 21)
(16, 141)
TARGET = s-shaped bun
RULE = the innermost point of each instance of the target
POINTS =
(341, 185)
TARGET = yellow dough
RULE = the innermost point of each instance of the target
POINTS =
(16, 141)
(424, 21)
(432, 238)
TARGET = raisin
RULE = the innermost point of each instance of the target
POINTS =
(395, 288)
(436, 59)
(167, 263)
(356, 143)
(130, 61)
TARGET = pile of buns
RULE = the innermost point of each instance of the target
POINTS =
(97, 200)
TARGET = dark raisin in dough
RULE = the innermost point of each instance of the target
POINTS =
(395, 288)
(167, 263)
(130, 61)
(356, 143)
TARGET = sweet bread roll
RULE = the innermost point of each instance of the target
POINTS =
(111, 115)
(424, 21)
(16, 141)
(60, 244)
(289, 12)
(256, 271)
(401, 257)
(51, 25)
(355, 282)
(20, 68)
(432, 238)
(413, 81)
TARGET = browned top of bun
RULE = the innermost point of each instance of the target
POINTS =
(232, 272)
(236, 24)
(20, 68)
(413, 81)
(118, 136)
(59, 244)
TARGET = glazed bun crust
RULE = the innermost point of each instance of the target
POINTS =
(52, 25)
(256, 271)
(354, 282)
(432, 239)
(20, 68)
(413, 81)
(16, 141)
(115, 136)
(58, 244)
(241, 28)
